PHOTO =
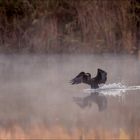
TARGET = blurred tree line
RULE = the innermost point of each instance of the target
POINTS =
(70, 26)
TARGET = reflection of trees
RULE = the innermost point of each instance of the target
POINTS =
(87, 101)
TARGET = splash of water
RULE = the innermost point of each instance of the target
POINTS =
(115, 89)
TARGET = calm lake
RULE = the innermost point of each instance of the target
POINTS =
(37, 100)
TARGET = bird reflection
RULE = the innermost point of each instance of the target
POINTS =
(94, 97)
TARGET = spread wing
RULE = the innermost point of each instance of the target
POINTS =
(79, 78)
(101, 76)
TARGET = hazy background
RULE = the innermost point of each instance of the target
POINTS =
(69, 26)
(35, 91)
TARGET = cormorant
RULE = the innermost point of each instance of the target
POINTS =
(83, 77)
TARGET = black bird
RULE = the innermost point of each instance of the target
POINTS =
(83, 77)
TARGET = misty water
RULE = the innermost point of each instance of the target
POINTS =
(35, 90)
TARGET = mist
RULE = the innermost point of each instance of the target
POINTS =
(35, 90)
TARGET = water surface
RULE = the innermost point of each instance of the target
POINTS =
(37, 100)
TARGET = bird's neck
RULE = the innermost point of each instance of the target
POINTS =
(88, 81)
